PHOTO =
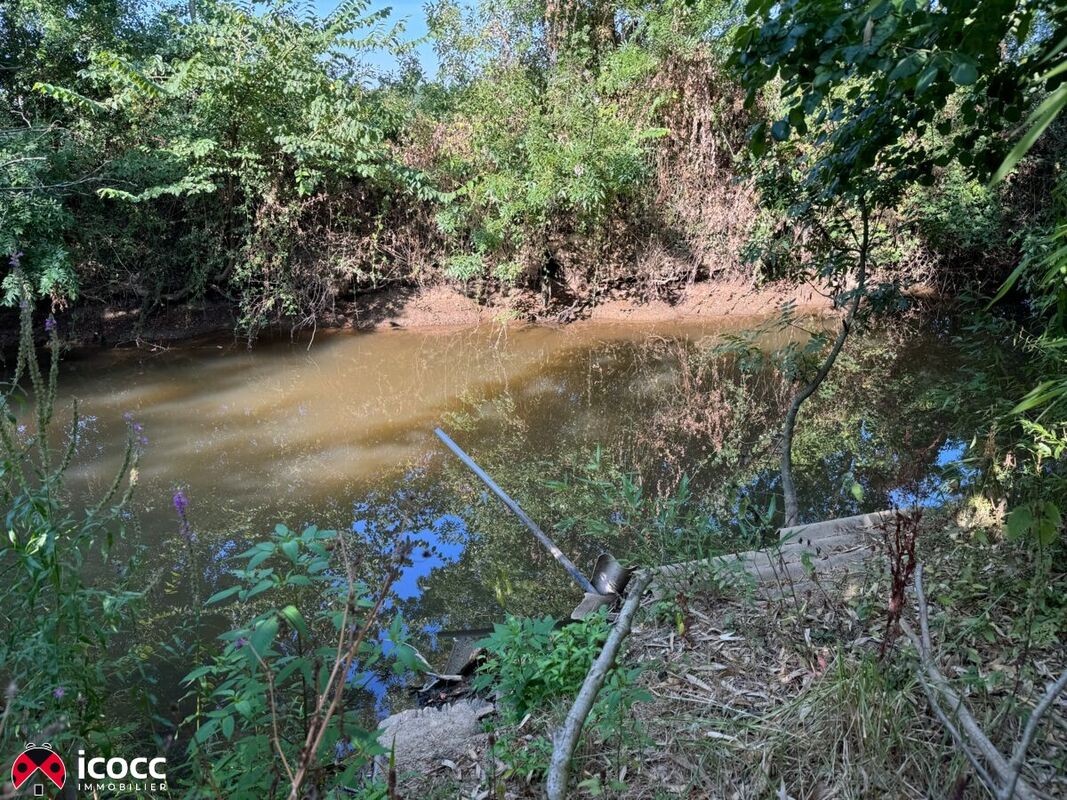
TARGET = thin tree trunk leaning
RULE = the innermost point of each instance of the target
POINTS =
(789, 490)
(1001, 777)
(566, 738)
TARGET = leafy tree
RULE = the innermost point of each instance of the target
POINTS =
(547, 149)
(871, 79)
(49, 161)
(860, 87)
(264, 113)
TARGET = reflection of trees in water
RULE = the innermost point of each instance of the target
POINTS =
(710, 422)
(719, 425)
(666, 408)
(876, 423)
(660, 408)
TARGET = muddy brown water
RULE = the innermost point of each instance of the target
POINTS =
(341, 435)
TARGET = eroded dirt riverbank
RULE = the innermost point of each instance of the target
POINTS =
(443, 306)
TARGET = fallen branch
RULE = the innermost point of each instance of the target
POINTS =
(1032, 724)
(566, 738)
(1003, 779)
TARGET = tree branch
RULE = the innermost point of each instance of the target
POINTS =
(566, 738)
(1003, 779)
(789, 490)
(1032, 724)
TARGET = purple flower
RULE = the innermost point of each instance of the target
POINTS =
(59, 692)
(16, 260)
(128, 416)
(241, 642)
(181, 505)
(50, 324)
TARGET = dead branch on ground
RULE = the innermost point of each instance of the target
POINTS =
(1003, 778)
(566, 738)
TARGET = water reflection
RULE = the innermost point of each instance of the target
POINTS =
(341, 436)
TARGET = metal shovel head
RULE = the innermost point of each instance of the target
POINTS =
(609, 576)
(592, 602)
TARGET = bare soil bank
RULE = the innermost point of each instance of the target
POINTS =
(437, 306)
(447, 306)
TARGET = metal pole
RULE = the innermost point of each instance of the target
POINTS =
(568, 565)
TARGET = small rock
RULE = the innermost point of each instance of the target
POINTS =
(424, 737)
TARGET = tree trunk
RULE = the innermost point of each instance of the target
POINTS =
(789, 490)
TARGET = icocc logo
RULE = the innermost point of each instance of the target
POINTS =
(118, 768)
(41, 767)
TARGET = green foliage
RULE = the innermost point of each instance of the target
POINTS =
(73, 585)
(33, 219)
(605, 503)
(1040, 521)
(871, 79)
(1048, 56)
(958, 217)
(256, 697)
(60, 624)
(264, 112)
(533, 663)
(542, 156)
(1018, 369)
(251, 153)
(50, 160)
(524, 756)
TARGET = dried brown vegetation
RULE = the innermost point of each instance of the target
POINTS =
(783, 694)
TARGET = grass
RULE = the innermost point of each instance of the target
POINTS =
(788, 697)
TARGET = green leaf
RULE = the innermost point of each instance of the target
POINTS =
(757, 139)
(1019, 522)
(296, 619)
(926, 79)
(1039, 120)
(259, 558)
(1038, 396)
(291, 549)
(199, 672)
(964, 73)
(227, 727)
(906, 67)
(69, 97)
(219, 596)
(263, 636)
(259, 588)
(205, 731)
(1009, 282)
(1048, 523)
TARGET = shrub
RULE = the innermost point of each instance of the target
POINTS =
(279, 706)
(532, 663)
(58, 665)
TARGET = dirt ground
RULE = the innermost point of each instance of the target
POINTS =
(428, 307)
(447, 306)
(786, 694)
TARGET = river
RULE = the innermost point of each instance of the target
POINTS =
(340, 435)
